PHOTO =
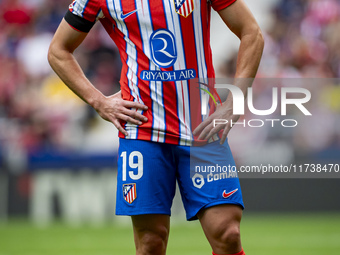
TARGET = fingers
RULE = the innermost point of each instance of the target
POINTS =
(119, 127)
(214, 131)
(224, 135)
(134, 114)
(199, 128)
(209, 131)
(129, 119)
(206, 130)
(202, 126)
(131, 104)
(125, 118)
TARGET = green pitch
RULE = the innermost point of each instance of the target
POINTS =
(261, 235)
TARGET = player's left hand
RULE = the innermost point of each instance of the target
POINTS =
(206, 129)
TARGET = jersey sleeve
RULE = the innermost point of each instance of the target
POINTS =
(83, 14)
(218, 5)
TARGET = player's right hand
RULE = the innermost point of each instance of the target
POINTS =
(114, 108)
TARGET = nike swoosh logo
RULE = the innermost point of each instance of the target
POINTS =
(226, 195)
(124, 16)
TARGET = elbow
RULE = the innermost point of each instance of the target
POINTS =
(254, 34)
(260, 38)
(255, 40)
(257, 37)
(55, 55)
(51, 55)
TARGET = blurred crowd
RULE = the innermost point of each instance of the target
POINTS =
(302, 49)
(302, 41)
(38, 112)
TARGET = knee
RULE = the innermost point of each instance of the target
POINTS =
(153, 242)
(229, 238)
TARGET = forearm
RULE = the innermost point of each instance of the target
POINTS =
(248, 61)
(242, 23)
(68, 69)
(111, 108)
(249, 55)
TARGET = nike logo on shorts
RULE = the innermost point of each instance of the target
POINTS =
(226, 195)
(124, 16)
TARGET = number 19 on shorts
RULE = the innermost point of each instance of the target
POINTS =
(135, 161)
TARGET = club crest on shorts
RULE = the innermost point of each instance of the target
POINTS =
(129, 192)
(184, 7)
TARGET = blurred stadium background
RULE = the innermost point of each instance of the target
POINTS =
(58, 158)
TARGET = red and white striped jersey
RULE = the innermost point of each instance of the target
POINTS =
(163, 45)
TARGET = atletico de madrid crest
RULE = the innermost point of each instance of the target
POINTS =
(184, 7)
(129, 192)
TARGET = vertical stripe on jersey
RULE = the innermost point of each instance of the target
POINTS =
(131, 62)
(199, 41)
(79, 7)
(187, 25)
(86, 9)
(158, 125)
(174, 26)
(202, 67)
(156, 87)
(143, 56)
(168, 87)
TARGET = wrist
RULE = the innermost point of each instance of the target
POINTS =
(96, 101)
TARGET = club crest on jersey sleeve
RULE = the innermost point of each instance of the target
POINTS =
(184, 7)
(129, 192)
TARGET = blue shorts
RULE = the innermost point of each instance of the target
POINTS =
(148, 171)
